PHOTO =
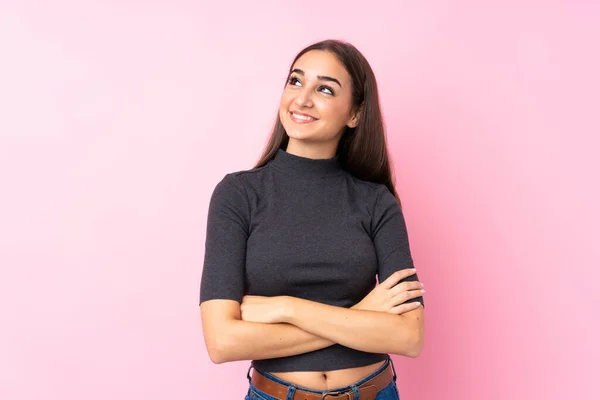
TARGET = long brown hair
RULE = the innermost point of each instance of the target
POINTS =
(362, 150)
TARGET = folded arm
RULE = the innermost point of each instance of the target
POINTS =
(369, 331)
(228, 338)
(257, 330)
(310, 326)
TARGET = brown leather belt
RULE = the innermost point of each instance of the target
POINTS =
(366, 391)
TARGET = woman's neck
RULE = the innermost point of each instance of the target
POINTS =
(316, 151)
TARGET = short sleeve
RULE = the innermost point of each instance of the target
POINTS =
(390, 237)
(226, 236)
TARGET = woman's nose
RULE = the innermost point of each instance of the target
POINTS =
(303, 98)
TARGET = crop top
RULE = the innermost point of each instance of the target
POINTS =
(304, 228)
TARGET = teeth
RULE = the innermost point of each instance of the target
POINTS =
(302, 117)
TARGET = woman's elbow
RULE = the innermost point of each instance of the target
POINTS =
(411, 344)
(218, 317)
(416, 345)
(219, 351)
(418, 340)
(217, 357)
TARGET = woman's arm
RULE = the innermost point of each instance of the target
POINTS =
(370, 331)
(228, 338)
(233, 335)
(267, 336)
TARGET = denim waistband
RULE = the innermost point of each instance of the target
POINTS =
(341, 389)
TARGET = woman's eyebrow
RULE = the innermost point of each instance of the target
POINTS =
(320, 77)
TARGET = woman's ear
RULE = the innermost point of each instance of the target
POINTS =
(353, 122)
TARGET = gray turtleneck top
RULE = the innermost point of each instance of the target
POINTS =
(304, 228)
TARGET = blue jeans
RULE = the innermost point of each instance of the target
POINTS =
(388, 393)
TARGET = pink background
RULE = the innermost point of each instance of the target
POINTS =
(117, 118)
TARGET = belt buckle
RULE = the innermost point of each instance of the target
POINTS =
(336, 395)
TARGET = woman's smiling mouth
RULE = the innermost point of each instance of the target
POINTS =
(300, 118)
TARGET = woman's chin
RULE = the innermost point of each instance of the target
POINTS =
(299, 135)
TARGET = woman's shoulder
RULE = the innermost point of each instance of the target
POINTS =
(236, 181)
(367, 188)
(245, 177)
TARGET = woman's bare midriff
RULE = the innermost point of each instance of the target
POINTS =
(326, 380)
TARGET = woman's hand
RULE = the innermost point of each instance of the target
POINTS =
(267, 310)
(389, 295)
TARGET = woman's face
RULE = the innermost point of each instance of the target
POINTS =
(316, 104)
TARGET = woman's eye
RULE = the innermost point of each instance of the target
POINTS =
(293, 81)
(326, 90)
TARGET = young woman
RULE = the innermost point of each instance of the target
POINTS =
(294, 246)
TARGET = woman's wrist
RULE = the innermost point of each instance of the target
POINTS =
(288, 304)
